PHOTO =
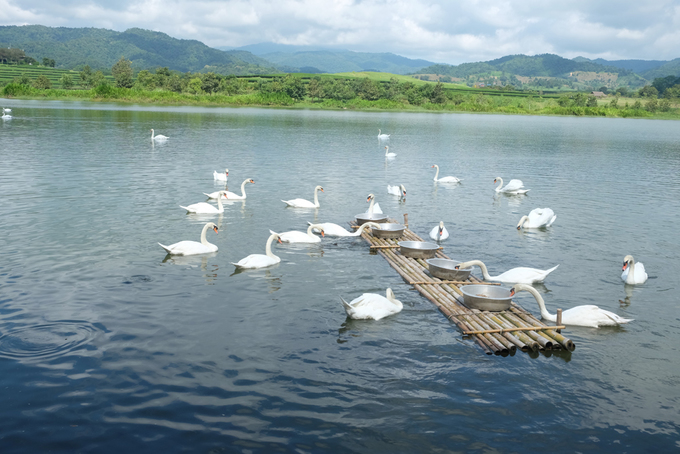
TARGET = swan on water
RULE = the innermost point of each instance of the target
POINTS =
(383, 136)
(399, 190)
(159, 137)
(6, 110)
(519, 275)
(587, 315)
(439, 232)
(633, 272)
(193, 247)
(514, 187)
(444, 179)
(233, 196)
(261, 260)
(331, 229)
(303, 203)
(371, 306)
(373, 208)
(206, 208)
(223, 176)
(6, 116)
(537, 218)
(388, 154)
(294, 236)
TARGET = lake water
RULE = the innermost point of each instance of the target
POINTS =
(108, 345)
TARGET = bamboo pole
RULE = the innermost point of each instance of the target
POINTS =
(528, 341)
(508, 330)
(450, 282)
(558, 320)
(488, 319)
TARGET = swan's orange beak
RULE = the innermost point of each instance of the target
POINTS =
(625, 265)
(215, 229)
(457, 267)
(518, 227)
(512, 291)
(280, 240)
(252, 181)
(323, 234)
(322, 190)
(494, 180)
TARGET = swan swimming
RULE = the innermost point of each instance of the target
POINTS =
(633, 272)
(206, 208)
(587, 315)
(302, 203)
(261, 260)
(514, 187)
(537, 218)
(193, 247)
(383, 136)
(519, 275)
(294, 236)
(371, 306)
(439, 232)
(444, 179)
(159, 137)
(388, 154)
(224, 176)
(331, 229)
(399, 190)
(233, 196)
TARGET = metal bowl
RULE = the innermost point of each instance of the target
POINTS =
(445, 269)
(486, 297)
(363, 218)
(388, 230)
(417, 249)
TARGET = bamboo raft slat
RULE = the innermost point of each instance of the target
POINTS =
(499, 333)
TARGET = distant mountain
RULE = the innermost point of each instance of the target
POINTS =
(271, 48)
(101, 49)
(338, 61)
(546, 70)
(671, 68)
(637, 66)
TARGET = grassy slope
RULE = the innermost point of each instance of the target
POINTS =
(9, 72)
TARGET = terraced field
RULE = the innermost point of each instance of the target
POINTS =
(9, 72)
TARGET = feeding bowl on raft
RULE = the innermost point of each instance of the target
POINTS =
(445, 269)
(388, 230)
(417, 249)
(363, 218)
(486, 297)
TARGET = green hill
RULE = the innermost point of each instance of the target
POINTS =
(100, 48)
(671, 68)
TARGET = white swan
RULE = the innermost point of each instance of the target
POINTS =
(302, 203)
(193, 247)
(159, 137)
(633, 272)
(372, 306)
(206, 208)
(445, 179)
(383, 136)
(233, 196)
(6, 116)
(223, 176)
(537, 218)
(373, 208)
(587, 315)
(388, 154)
(295, 236)
(399, 190)
(519, 275)
(6, 110)
(331, 229)
(261, 260)
(439, 232)
(513, 187)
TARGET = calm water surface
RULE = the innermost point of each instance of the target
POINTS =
(108, 345)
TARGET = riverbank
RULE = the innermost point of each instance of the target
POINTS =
(474, 103)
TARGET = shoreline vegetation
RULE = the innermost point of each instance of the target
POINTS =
(349, 91)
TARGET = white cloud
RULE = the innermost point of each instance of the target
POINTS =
(450, 32)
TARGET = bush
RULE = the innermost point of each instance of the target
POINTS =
(42, 82)
(16, 89)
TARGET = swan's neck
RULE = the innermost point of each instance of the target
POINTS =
(204, 240)
(524, 219)
(268, 249)
(152, 134)
(389, 294)
(310, 229)
(243, 188)
(387, 150)
(219, 201)
(436, 175)
(316, 197)
(481, 265)
(631, 271)
(500, 184)
(363, 227)
(370, 207)
(539, 299)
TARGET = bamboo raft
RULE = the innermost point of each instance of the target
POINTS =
(499, 333)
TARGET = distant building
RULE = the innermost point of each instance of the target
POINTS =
(598, 94)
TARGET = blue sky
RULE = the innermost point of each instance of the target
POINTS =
(448, 32)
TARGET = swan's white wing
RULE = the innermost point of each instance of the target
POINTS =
(298, 237)
(394, 190)
(593, 316)
(370, 306)
(256, 261)
(331, 229)
(189, 248)
(299, 203)
(524, 275)
(513, 185)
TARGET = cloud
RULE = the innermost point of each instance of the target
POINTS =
(449, 32)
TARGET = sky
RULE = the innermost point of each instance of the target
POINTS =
(451, 32)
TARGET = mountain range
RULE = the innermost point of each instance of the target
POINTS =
(72, 48)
